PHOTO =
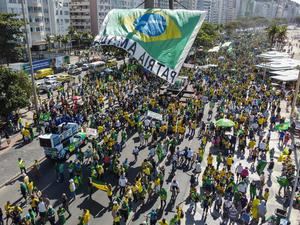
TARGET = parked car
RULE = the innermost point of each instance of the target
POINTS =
(49, 85)
(85, 67)
(50, 78)
(64, 78)
(71, 66)
(76, 71)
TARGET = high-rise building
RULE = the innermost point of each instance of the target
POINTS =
(50, 17)
(81, 15)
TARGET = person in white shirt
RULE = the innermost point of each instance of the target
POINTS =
(122, 183)
(238, 171)
(189, 156)
(42, 210)
(147, 123)
(174, 188)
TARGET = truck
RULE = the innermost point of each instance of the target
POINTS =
(62, 144)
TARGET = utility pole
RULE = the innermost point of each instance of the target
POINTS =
(171, 4)
(149, 4)
(30, 59)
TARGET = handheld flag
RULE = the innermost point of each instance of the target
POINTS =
(100, 185)
(261, 166)
(159, 39)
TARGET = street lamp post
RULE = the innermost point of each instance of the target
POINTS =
(29, 58)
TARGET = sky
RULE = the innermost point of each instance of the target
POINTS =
(298, 1)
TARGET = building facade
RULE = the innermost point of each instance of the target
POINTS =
(45, 17)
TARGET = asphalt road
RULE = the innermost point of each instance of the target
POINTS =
(98, 206)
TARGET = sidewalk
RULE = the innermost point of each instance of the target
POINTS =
(9, 154)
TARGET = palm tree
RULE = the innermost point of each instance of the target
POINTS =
(57, 39)
(49, 40)
(282, 35)
(87, 38)
(72, 33)
(272, 33)
(65, 40)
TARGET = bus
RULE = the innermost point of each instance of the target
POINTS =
(43, 73)
(96, 66)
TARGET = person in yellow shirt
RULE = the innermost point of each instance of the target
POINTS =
(229, 162)
(86, 217)
(163, 222)
(210, 160)
(117, 219)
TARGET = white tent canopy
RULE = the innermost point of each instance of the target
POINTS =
(286, 73)
(226, 44)
(285, 78)
(214, 49)
(278, 65)
(273, 54)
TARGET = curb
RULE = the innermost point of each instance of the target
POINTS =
(18, 174)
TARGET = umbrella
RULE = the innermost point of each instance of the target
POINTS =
(224, 123)
(283, 126)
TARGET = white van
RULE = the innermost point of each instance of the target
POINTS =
(96, 66)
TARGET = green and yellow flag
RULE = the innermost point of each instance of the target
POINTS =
(100, 185)
(159, 39)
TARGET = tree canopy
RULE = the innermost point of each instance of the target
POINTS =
(10, 37)
(15, 91)
(207, 35)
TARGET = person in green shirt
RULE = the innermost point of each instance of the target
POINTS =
(163, 197)
(61, 216)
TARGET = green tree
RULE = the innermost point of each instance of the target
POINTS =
(281, 35)
(57, 39)
(65, 41)
(87, 38)
(272, 32)
(15, 91)
(10, 37)
(207, 35)
(49, 40)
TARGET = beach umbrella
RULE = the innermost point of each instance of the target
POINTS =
(283, 126)
(224, 123)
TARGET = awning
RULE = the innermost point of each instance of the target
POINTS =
(285, 73)
(273, 55)
(285, 78)
(278, 66)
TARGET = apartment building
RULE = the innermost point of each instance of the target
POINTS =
(44, 16)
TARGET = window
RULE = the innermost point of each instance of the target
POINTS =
(61, 12)
(46, 11)
(37, 29)
(31, 30)
(66, 13)
(66, 4)
(67, 20)
(12, 1)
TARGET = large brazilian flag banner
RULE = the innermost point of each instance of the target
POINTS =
(159, 39)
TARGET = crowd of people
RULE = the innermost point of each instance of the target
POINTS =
(117, 107)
